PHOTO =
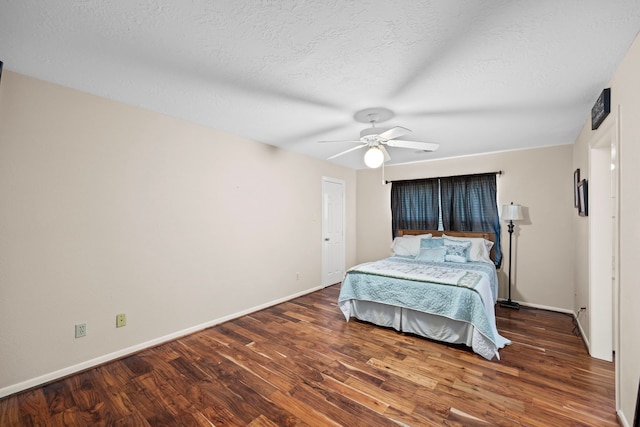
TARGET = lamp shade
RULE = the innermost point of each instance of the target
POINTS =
(374, 157)
(512, 212)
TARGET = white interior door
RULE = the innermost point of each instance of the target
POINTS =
(332, 231)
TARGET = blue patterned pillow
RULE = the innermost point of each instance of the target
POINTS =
(434, 242)
(432, 254)
(457, 251)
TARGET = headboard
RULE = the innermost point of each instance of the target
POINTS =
(437, 233)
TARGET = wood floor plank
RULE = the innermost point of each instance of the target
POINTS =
(34, 410)
(9, 412)
(389, 366)
(388, 396)
(337, 407)
(300, 364)
(303, 410)
(356, 395)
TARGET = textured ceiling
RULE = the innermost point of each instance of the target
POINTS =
(473, 76)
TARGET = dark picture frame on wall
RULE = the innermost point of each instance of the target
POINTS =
(601, 108)
(583, 198)
(576, 182)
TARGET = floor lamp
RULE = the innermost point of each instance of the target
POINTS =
(511, 213)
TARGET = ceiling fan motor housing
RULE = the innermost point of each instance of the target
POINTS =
(369, 132)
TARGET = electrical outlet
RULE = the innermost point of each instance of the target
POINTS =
(121, 320)
(81, 330)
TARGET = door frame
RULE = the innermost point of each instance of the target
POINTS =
(604, 149)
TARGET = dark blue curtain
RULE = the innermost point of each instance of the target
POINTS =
(469, 203)
(414, 205)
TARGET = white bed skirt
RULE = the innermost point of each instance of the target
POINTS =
(427, 325)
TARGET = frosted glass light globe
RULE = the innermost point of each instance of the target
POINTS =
(374, 157)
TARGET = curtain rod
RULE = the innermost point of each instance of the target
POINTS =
(450, 176)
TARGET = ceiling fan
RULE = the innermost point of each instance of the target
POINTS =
(375, 140)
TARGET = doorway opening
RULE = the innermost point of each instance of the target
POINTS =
(604, 234)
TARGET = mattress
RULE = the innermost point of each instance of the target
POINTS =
(449, 302)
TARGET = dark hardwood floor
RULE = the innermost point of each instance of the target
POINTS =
(300, 363)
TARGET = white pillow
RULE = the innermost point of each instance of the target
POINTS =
(408, 245)
(480, 248)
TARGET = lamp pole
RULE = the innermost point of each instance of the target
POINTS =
(511, 212)
(508, 303)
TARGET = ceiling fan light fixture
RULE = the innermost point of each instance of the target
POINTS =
(375, 140)
(374, 157)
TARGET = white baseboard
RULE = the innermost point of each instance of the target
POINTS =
(561, 310)
(61, 373)
(622, 419)
(584, 336)
(546, 307)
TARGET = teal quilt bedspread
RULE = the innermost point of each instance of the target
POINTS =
(462, 291)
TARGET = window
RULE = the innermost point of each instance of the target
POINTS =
(458, 203)
(414, 204)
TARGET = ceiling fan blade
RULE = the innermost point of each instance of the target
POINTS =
(425, 146)
(348, 151)
(387, 157)
(395, 132)
(354, 141)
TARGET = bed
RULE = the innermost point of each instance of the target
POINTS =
(438, 285)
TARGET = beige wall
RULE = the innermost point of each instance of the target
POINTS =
(539, 179)
(109, 209)
(625, 96)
